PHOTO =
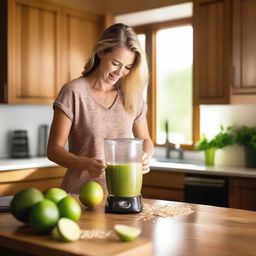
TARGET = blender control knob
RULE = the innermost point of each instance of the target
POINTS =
(124, 204)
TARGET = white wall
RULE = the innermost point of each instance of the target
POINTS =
(30, 117)
(27, 117)
(215, 115)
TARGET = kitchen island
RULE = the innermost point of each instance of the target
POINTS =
(208, 230)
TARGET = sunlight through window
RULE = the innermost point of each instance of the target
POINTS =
(174, 56)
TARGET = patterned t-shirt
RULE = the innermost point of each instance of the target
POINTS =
(91, 123)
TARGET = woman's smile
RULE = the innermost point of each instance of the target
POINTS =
(114, 77)
(116, 64)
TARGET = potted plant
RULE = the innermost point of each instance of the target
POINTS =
(246, 136)
(222, 139)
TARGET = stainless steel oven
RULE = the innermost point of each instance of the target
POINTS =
(206, 189)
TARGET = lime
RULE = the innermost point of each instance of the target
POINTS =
(23, 201)
(66, 230)
(43, 216)
(55, 233)
(55, 194)
(127, 233)
(91, 194)
(69, 208)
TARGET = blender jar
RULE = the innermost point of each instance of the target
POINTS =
(124, 166)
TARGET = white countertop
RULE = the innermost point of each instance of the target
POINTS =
(203, 169)
(37, 162)
(16, 164)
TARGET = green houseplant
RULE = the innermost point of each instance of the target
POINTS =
(246, 136)
(224, 138)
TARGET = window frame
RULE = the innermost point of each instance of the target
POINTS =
(150, 31)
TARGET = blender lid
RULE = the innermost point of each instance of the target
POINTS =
(118, 140)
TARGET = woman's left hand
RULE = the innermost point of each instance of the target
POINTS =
(145, 163)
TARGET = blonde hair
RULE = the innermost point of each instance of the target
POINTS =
(133, 84)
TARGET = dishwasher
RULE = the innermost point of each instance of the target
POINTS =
(206, 189)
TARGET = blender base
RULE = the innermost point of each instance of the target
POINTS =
(123, 205)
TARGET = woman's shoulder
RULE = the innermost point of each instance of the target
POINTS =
(74, 85)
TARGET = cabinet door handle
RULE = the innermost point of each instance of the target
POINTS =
(204, 182)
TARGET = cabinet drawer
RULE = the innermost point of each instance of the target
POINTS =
(163, 193)
(164, 179)
(41, 178)
(32, 174)
(7, 189)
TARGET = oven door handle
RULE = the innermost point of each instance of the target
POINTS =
(204, 182)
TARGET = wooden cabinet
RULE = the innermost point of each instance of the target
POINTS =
(242, 193)
(168, 185)
(42, 178)
(212, 40)
(44, 46)
(79, 33)
(224, 51)
(163, 185)
(244, 50)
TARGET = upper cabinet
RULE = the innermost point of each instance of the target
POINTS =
(44, 46)
(224, 51)
(244, 48)
(212, 40)
(79, 33)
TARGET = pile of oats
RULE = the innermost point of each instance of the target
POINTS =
(94, 233)
(156, 210)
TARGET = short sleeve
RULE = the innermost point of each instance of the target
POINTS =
(142, 112)
(66, 100)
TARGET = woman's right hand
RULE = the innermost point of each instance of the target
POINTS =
(94, 166)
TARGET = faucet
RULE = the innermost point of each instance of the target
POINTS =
(171, 146)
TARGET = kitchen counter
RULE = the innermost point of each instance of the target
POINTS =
(37, 162)
(203, 169)
(17, 174)
(17, 164)
(208, 230)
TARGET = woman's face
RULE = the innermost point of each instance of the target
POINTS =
(116, 64)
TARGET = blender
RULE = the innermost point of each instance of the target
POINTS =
(123, 174)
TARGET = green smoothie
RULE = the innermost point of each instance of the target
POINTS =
(124, 179)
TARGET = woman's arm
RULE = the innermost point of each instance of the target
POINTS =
(56, 152)
(140, 130)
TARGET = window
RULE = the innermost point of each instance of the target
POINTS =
(169, 47)
(174, 50)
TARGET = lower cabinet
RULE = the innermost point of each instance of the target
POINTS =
(167, 185)
(242, 193)
(42, 178)
(163, 185)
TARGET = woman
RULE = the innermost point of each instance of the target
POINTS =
(106, 102)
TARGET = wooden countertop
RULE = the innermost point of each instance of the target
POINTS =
(207, 231)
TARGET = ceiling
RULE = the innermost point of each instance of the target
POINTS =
(167, 13)
(115, 7)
